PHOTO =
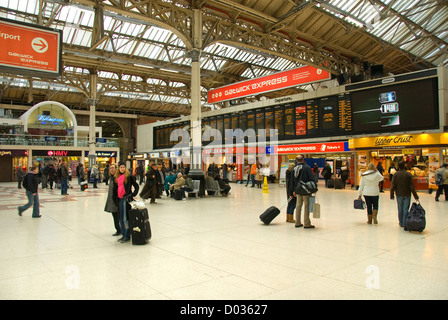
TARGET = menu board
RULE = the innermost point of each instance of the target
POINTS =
(300, 120)
(289, 123)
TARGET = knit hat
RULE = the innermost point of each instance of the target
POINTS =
(121, 163)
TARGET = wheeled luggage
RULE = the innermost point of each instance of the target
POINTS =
(271, 213)
(416, 220)
(178, 194)
(330, 183)
(338, 184)
(139, 225)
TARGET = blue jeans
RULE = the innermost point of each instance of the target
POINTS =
(124, 224)
(64, 186)
(291, 206)
(403, 208)
(32, 201)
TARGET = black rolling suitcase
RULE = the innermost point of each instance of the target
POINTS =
(330, 183)
(338, 184)
(139, 225)
(178, 194)
(271, 213)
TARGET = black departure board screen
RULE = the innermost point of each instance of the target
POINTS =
(243, 121)
(345, 113)
(268, 120)
(328, 115)
(312, 116)
(251, 124)
(235, 123)
(227, 126)
(289, 122)
(279, 121)
(259, 119)
(399, 107)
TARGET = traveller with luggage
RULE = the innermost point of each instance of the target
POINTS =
(369, 188)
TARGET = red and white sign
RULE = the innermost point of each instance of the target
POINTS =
(28, 49)
(311, 148)
(276, 81)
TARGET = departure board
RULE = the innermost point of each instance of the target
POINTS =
(312, 116)
(243, 121)
(227, 123)
(300, 120)
(345, 113)
(328, 115)
(259, 119)
(289, 121)
(278, 121)
(269, 120)
(235, 121)
(220, 125)
(250, 123)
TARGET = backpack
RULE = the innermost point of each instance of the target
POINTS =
(439, 177)
(25, 181)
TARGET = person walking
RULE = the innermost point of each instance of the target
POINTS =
(31, 185)
(443, 170)
(122, 195)
(110, 204)
(402, 186)
(370, 189)
(380, 169)
(19, 176)
(290, 196)
(344, 173)
(150, 187)
(326, 173)
(302, 172)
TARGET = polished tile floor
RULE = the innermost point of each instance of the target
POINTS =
(217, 248)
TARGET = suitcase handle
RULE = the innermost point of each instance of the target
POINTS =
(283, 206)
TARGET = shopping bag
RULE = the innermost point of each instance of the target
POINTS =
(316, 210)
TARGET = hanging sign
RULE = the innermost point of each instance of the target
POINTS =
(277, 81)
(30, 49)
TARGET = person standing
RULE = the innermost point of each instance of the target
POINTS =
(64, 178)
(326, 173)
(150, 188)
(51, 175)
(302, 172)
(110, 204)
(292, 199)
(122, 195)
(316, 173)
(106, 174)
(31, 184)
(402, 185)
(369, 188)
(95, 174)
(19, 176)
(253, 172)
(344, 174)
(380, 169)
(443, 170)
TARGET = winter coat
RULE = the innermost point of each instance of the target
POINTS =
(402, 185)
(110, 204)
(369, 183)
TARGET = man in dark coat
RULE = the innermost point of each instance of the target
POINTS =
(150, 188)
(302, 172)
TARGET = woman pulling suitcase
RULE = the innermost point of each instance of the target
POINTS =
(122, 195)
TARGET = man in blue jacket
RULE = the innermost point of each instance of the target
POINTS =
(31, 185)
(302, 172)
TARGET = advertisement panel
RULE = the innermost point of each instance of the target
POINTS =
(30, 49)
(276, 81)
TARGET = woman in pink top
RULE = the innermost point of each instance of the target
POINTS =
(122, 195)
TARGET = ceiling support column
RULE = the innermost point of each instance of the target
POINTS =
(92, 104)
(195, 116)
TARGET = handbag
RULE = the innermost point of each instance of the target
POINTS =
(316, 210)
(305, 188)
(359, 204)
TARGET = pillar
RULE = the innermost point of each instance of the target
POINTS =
(92, 105)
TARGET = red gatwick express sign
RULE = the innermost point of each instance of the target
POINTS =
(29, 49)
(311, 148)
(276, 81)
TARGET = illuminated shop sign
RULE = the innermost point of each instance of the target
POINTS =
(49, 120)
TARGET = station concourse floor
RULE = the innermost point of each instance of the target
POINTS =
(217, 248)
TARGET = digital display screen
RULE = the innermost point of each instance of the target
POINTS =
(400, 107)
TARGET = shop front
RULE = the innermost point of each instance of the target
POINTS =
(10, 160)
(422, 154)
(55, 157)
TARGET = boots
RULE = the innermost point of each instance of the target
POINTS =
(369, 218)
(375, 216)
(290, 218)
